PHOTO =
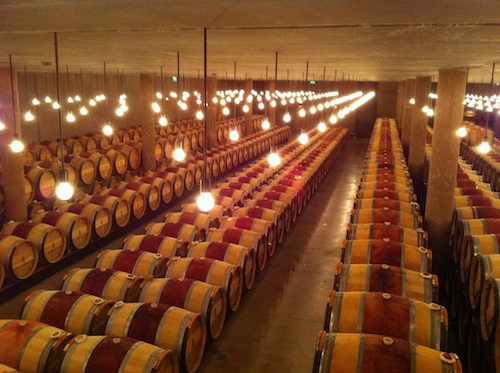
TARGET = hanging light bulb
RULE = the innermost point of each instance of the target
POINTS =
(333, 119)
(199, 115)
(273, 103)
(430, 113)
(47, 99)
(412, 101)
(462, 132)
(2, 126)
(425, 109)
(261, 105)
(107, 129)
(246, 109)
(83, 110)
(28, 116)
(159, 95)
(484, 147)
(205, 201)
(16, 145)
(223, 102)
(265, 124)
(77, 98)
(313, 110)
(179, 154)
(98, 98)
(56, 105)
(303, 138)
(287, 117)
(273, 159)
(234, 135)
(64, 191)
(92, 102)
(163, 121)
(321, 126)
(35, 102)
(102, 97)
(156, 107)
(320, 107)
(124, 107)
(70, 117)
(70, 100)
(302, 112)
(119, 112)
(225, 111)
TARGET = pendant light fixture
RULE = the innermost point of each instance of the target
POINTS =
(265, 123)
(485, 147)
(303, 137)
(205, 200)
(163, 119)
(47, 98)
(107, 129)
(28, 116)
(274, 159)
(321, 124)
(462, 131)
(234, 134)
(16, 145)
(64, 189)
(70, 117)
(83, 108)
(179, 153)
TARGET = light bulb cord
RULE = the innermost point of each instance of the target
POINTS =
(12, 95)
(58, 91)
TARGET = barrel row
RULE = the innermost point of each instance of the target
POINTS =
(167, 282)
(94, 214)
(383, 287)
(474, 221)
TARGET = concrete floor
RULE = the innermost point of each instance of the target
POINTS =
(276, 326)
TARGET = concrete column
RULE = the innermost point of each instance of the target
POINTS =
(211, 119)
(271, 111)
(248, 116)
(147, 96)
(416, 153)
(443, 166)
(400, 104)
(12, 163)
(407, 114)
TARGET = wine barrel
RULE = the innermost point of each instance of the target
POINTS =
(476, 192)
(73, 311)
(385, 214)
(262, 227)
(468, 201)
(6, 369)
(86, 170)
(392, 204)
(119, 208)
(227, 203)
(50, 241)
(75, 146)
(386, 184)
(482, 267)
(195, 296)
(385, 251)
(215, 214)
(133, 155)
(356, 352)
(247, 188)
(184, 232)
(387, 279)
(173, 178)
(164, 187)
(136, 201)
(166, 246)
(31, 346)
(467, 245)
(489, 310)
(43, 180)
(112, 354)
(18, 256)
(239, 196)
(41, 152)
(118, 160)
(276, 196)
(56, 166)
(100, 218)
(165, 326)
(415, 237)
(211, 271)
(270, 215)
(201, 221)
(386, 194)
(104, 283)
(77, 228)
(243, 237)
(387, 314)
(185, 175)
(228, 252)
(136, 262)
(102, 164)
(280, 207)
(151, 192)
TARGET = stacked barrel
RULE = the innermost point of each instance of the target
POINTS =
(474, 266)
(117, 194)
(172, 288)
(383, 310)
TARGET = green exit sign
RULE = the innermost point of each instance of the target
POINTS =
(174, 78)
(312, 82)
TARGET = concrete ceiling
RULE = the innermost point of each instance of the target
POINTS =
(383, 40)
